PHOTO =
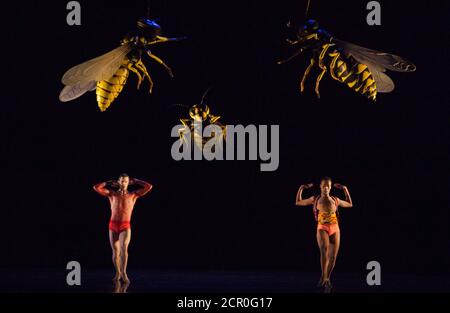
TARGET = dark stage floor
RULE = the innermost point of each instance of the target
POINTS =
(152, 281)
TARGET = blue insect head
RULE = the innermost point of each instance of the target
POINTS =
(149, 27)
(311, 31)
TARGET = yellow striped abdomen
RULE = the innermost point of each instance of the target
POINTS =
(356, 76)
(108, 90)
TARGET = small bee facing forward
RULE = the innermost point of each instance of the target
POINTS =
(200, 118)
(361, 69)
(108, 73)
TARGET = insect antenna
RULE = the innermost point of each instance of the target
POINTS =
(204, 96)
(307, 8)
(148, 8)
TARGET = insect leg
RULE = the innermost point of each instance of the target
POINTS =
(291, 42)
(302, 84)
(135, 71)
(333, 64)
(323, 67)
(182, 136)
(319, 78)
(291, 57)
(182, 130)
(214, 118)
(142, 67)
(154, 57)
(322, 56)
(160, 39)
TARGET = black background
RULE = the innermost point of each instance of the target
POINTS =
(392, 154)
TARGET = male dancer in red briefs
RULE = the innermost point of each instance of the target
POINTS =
(328, 233)
(122, 203)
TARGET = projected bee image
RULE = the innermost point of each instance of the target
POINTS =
(200, 117)
(108, 73)
(361, 69)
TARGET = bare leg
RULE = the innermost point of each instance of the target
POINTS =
(333, 252)
(115, 246)
(117, 286)
(124, 239)
(124, 287)
(323, 242)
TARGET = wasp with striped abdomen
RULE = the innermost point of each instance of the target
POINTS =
(361, 69)
(108, 73)
(201, 118)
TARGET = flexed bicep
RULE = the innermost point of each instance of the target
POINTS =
(305, 202)
(343, 203)
(299, 199)
(145, 187)
(102, 190)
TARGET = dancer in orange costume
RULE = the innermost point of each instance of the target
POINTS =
(328, 233)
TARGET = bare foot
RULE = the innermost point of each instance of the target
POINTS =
(124, 287)
(320, 283)
(125, 278)
(116, 278)
(328, 286)
(117, 286)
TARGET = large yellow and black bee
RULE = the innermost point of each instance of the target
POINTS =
(361, 69)
(201, 117)
(108, 73)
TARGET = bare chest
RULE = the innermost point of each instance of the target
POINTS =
(326, 204)
(122, 200)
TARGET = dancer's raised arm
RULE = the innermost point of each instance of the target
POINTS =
(347, 203)
(299, 200)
